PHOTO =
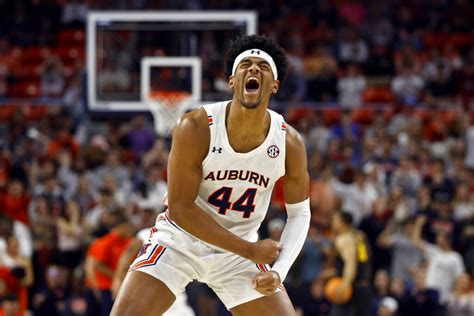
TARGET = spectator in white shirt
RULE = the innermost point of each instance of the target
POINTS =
(407, 86)
(444, 264)
(357, 197)
(351, 87)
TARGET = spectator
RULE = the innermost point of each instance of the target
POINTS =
(11, 306)
(121, 192)
(323, 198)
(319, 135)
(113, 78)
(20, 231)
(467, 243)
(314, 303)
(44, 235)
(351, 87)
(92, 220)
(74, 13)
(352, 48)
(347, 129)
(381, 288)
(294, 89)
(275, 228)
(158, 154)
(323, 86)
(101, 262)
(84, 195)
(114, 166)
(372, 225)
(314, 254)
(407, 86)
(378, 27)
(52, 192)
(63, 140)
(466, 80)
(441, 84)
(14, 202)
(463, 203)
(49, 299)
(140, 137)
(52, 77)
(444, 264)
(461, 301)
(20, 268)
(387, 307)
(422, 300)
(469, 160)
(406, 177)
(357, 197)
(69, 233)
(405, 256)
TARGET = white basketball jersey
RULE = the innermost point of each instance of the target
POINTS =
(236, 188)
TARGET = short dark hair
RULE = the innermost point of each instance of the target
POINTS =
(243, 43)
(346, 217)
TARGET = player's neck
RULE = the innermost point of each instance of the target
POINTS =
(247, 121)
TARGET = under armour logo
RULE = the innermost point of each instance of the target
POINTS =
(218, 149)
(255, 52)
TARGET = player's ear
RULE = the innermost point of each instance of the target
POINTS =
(231, 82)
(275, 86)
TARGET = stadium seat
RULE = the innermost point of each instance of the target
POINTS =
(377, 94)
(331, 116)
(70, 55)
(6, 112)
(70, 37)
(36, 112)
(296, 113)
(364, 116)
(24, 89)
(35, 55)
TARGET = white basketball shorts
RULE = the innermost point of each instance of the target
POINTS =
(176, 258)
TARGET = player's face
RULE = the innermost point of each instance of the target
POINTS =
(253, 82)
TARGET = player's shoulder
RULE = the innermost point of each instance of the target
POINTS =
(194, 119)
(294, 141)
(344, 240)
(192, 125)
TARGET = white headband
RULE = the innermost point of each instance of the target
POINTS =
(255, 53)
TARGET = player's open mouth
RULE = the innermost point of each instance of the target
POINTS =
(252, 85)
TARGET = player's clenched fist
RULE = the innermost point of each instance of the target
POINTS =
(266, 282)
(263, 251)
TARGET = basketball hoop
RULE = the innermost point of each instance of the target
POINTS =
(167, 107)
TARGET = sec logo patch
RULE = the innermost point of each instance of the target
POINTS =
(273, 151)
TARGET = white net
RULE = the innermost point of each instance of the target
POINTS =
(167, 107)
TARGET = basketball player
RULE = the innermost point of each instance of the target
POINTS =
(353, 265)
(224, 161)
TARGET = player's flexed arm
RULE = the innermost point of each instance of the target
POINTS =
(296, 189)
(190, 146)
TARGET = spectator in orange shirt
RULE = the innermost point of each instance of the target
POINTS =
(14, 202)
(101, 262)
(63, 141)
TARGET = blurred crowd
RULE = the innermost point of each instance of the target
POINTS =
(390, 140)
(347, 53)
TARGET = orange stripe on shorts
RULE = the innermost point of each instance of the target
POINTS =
(151, 260)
